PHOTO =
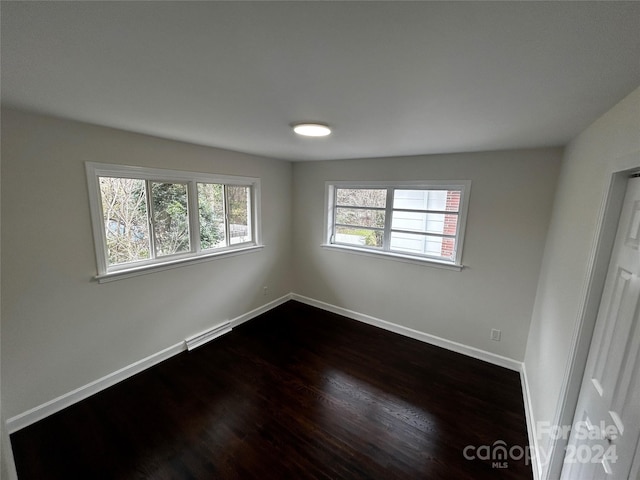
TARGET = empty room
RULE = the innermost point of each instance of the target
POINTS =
(320, 240)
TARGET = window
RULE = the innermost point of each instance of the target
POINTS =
(147, 217)
(418, 220)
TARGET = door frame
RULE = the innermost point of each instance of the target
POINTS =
(598, 265)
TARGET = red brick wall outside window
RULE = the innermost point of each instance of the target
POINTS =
(450, 224)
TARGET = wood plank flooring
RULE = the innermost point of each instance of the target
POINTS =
(297, 393)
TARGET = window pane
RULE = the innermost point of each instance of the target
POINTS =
(453, 201)
(361, 197)
(238, 203)
(125, 219)
(362, 237)
(363, 218)
(441, 223)
(443, 200)
(170, 218)
(423, 245)
(211, 214)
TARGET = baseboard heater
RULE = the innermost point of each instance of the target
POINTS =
(208, 335)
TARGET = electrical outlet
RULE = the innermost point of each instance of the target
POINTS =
(496, 334)
(264, 291)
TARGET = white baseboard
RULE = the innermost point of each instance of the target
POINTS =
(63, 401)
(260, 310)
(536, 461)
(473, 352)
(40, 412)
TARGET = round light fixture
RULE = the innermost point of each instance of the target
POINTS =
(312, 129)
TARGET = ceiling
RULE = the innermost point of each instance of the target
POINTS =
(392, 78)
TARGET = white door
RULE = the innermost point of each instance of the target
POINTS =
(606, 429)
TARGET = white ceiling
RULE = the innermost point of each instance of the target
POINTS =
(392, 78)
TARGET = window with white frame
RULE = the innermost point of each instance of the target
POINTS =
(420, 220)
(144, 217)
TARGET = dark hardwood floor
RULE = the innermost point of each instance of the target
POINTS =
(295, 393)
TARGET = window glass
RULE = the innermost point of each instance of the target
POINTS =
(360, 217)
(124, 208)
(422, 244)
(170, 218)
(438, 200)
(359, 236)
(238, 201)
(361, 197)
(143, 217)
(211, 215)
(426, 221)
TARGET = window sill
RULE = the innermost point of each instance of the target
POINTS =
(182, 262)
(427, 262)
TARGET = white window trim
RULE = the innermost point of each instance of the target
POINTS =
(463, 185)
(106, 273)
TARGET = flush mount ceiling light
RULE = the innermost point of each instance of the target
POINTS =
(312, 129)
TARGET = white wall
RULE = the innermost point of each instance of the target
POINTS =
(5, 455)
(60, 329)
(511, 197)
(611, 144)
